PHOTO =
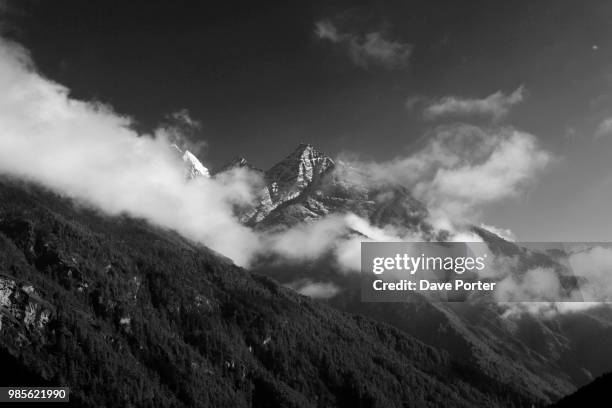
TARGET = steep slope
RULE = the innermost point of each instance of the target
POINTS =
(193, 166)
(129, 315)
(305, 166)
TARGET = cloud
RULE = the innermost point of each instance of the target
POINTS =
(89, 153)
(495, 106)
(307, 241)
(546, 310)
(604, 128)
(540, 290)
(593, 266)
(315, 290)
(504, 233)
(365, 50)
(339, 235)
(459, 169)
(537, 285)
(325, 30)
(511, 161)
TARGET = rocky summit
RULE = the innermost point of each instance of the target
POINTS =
(308, 185)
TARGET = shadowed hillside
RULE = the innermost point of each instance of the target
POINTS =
(129, 315)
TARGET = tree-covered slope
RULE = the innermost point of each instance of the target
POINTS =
(126, 314)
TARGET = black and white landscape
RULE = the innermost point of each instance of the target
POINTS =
(185, 187)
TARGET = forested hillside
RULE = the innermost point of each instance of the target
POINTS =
(129, 315)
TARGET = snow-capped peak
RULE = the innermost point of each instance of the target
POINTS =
(193, 167)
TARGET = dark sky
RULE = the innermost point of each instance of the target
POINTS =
(260, 81)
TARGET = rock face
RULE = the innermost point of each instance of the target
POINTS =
(290, 179)
(22, 309)
(302, 168)
(307, 185)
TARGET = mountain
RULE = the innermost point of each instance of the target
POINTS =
(290, 177)
(542, 358)
(308, 185)
(127, 314)
(131, 315)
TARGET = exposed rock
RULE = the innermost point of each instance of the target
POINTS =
(22, 306)
(308, 185)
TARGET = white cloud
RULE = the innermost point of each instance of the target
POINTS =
(536, 285)
(308, 241)
(375, 48)
(325, 30)
(594, 266)
(371, 48)
(89, 153)
(504, 233)
(496, 105)
(339, 235)
(540, 291)
(509, 166)
(315, 290)
(460, 169)
(604, 128)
